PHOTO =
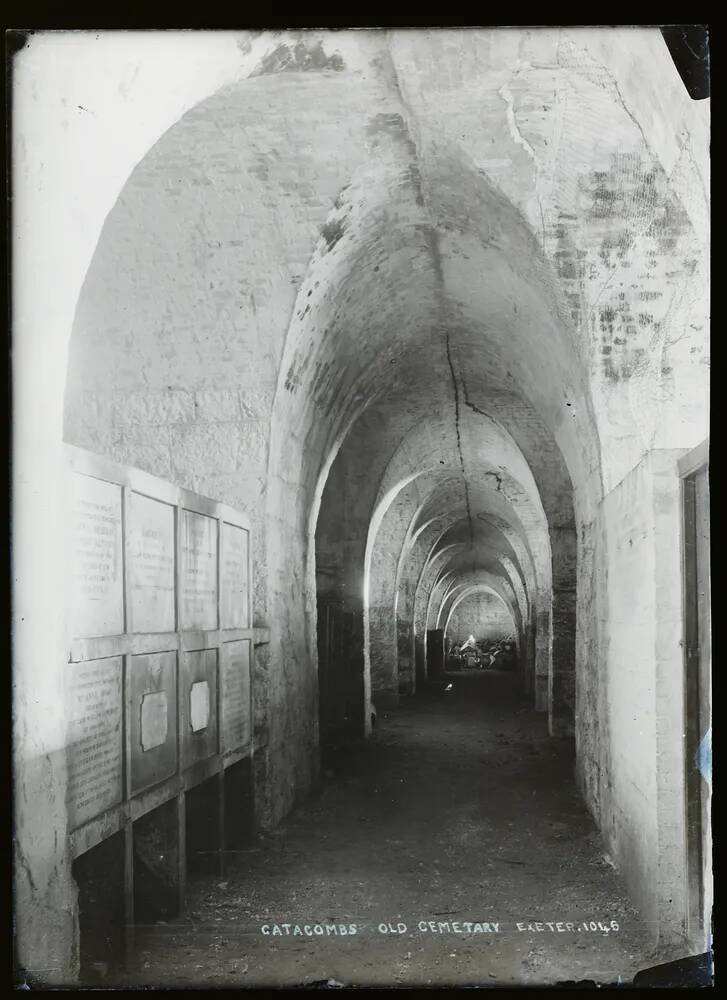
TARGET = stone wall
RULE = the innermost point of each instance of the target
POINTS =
(482, 615)
(630, 708)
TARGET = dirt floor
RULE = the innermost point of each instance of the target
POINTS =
(455, 844)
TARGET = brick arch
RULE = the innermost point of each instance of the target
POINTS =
(466, 595)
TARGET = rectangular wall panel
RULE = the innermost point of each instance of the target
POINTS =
(199, 571)
(94, 748)
(234, 584)
(97, 603)
(235, 701)
(152, 701)
(199, 705)
(150, 547)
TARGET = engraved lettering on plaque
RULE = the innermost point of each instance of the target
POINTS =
(234, 577)
(94, 742)
(150, 548)
(199, 571)
(199, 705)
(235, 694)
(96, 563)
(153, 720)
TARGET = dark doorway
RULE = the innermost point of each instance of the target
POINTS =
(435, 656)
(337, 699)
(420, 662)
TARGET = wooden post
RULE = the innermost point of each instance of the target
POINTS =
(181, 852)
(128, 893)
(221, 837)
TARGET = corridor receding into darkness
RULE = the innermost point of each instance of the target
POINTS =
(363, 544)
(459, 811)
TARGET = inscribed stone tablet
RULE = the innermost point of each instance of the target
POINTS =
(199, 705)
(234, 597)
(94, 741)
(235, 704)
(199, 571)
(152, 698)
(96, 563)
(154, 726)
(150, 548)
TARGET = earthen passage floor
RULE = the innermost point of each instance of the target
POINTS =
(459, 810)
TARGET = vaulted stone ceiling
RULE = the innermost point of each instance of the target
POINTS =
(457, 274)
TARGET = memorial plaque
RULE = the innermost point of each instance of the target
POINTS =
(150, 549)
(235, 702)
(154, 726)
(94, 739)
(199, 707)
(234, 592)
(199, 571)
(96, 558)
(152, 700)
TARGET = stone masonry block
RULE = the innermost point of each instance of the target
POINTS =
(217, 406)
(172, 407)
(206, 449)
(152, 458)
